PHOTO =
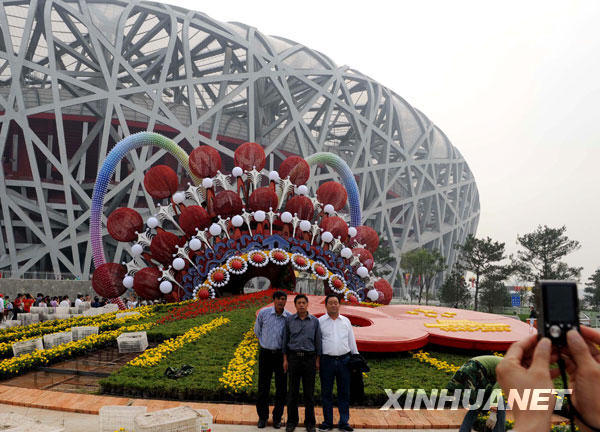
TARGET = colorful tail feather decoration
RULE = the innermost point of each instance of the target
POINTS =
(225, 230)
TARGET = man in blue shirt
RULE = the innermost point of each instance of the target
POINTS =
(269, 329)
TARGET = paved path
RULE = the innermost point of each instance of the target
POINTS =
(86, 407)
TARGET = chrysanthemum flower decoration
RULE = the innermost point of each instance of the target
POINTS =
(209, 238)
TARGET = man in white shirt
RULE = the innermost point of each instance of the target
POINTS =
(338, 343)
(65, 302)
(79, 300)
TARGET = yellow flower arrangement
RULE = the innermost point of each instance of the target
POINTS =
(16, 365)
(155, 355)
(441, 365)
(237, 376)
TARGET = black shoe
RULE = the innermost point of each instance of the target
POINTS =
(310, 428)
(346, 428)
(290, 427)
(261, 424)
(276, 424)
(325, 427)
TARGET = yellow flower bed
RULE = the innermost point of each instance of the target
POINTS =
(155, 355)
(238, 374)
(107, 320)
(467, 325)
(104, 322)
(16, 365)
(441, 365)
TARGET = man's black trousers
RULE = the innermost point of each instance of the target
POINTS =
(269, 363)
(301, 368)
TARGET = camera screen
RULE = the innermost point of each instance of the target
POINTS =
(561, 306)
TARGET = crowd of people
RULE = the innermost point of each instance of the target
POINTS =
(22, 303)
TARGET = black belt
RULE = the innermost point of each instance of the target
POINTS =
(276, 351)
(336, 357)
(302, 353)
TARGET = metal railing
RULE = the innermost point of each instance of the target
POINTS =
(7, 274)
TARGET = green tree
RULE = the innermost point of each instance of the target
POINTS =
(481, 257)
(543, 250)
(592, 291)
(454, 291)
(494, 294)
(424, 265)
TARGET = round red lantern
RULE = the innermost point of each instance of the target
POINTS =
(336, 226)
(296, 168)
(205, 161)
(263, 198)
(107, 280)
(249, 155)
(228, 204)
(302, 205)
(123, 223)
(193, 217)
(161, 181)
(146, 283)
(333, 193)
(164, 245)
(367, 236)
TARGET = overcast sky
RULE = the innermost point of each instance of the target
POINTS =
(514, 85)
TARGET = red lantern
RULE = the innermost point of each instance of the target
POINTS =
(193, 217)
(367, 236)
(296, 168)
(302, 205)
(205, 161)
(123, 223)
(203, 294)
(385, 288)
(249, 155)
(263, 198)
(164, 245)
(146, 283)
(336, 226)
(161, 181)
(366, 258)
(333, 193)
(228, 203)
(107, 280)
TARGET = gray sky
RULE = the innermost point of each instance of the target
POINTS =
(514, 85)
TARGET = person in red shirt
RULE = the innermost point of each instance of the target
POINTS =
(17, 306)
(27, 303)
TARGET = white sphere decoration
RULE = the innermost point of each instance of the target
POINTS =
(274, 176)
(305, 225)
(128, 281)
(259, 216)
(302, 190)
(362, 271)
(214, 230)
(373, 294)
(346, 253)
(137, 249)
(165, 287)
(327, 237)
(237, 172)
(195, 244)
(329, 209)
(178, 263)
(207, 183)
(152, 222)
(286, 217)
(178, 197)
(352, 232)
(237, 221)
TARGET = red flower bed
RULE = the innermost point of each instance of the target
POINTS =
(222, 304)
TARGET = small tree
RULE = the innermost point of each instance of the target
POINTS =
(592, 291)
(454, 291)
(425, 265)
(383, 258)
(542, 254)
(481, 257)
(494, 294)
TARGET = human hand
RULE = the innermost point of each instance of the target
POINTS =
(318, 363)
(516, 373)
(583, 367)
(285, 364)
(491, 421)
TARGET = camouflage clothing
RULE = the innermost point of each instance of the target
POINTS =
(474, 375)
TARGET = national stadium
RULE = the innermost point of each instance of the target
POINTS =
(76, 77)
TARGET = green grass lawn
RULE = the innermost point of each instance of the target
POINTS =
(210, 354)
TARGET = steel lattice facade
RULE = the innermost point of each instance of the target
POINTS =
(77, 76)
